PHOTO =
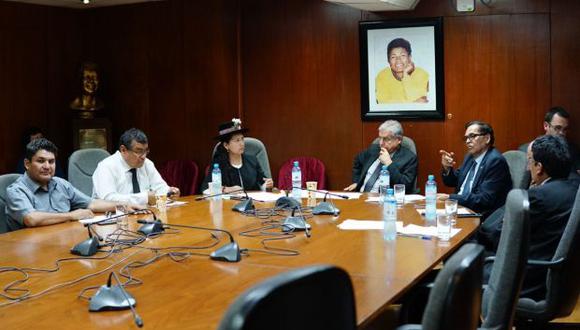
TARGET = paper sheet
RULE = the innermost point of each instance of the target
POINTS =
(408, 198)
(410, 230)
(460, 211)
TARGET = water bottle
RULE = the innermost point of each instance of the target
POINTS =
(216, 180)
(384, 178)
(296, 181)
(390, 216)
(431, 198)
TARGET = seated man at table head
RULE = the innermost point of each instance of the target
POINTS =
(128, 175)
(38, 198)
(239, 170)
(400, 161)
(551, 200)
(483, 180)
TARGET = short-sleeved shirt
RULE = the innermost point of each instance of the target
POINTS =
(25, 196)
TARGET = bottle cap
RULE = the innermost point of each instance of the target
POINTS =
(215, 165)
(431, 177)
(390, 191)
(385, 167)
(295, 163)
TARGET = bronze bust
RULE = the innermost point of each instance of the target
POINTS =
(88, 102)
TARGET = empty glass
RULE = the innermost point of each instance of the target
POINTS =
(443, 227)
(451, 210)
(400, 194)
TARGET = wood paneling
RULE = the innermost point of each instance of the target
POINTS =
(38, 45)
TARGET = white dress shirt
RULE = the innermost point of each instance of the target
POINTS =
(112, 181)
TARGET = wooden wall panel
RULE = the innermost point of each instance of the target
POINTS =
(33, 84)
(565, 66)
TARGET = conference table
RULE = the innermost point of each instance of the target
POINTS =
(190, 291)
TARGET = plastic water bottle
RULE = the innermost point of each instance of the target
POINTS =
(384, 178)
(431, 198)
(390, 216)
(296, 181)
(216, 180)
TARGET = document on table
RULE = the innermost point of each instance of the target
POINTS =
(461, 211)
(408, 198)
(408, 230)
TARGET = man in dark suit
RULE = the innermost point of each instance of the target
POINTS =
(551, 197)
(483, 180)
(400, 161)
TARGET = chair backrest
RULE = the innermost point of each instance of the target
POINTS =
(182, 174)
(455, 299)
(408, 143)
(255, 148)
(5, 181)
(316, 297)
(81, 166)
(501, 295)
(312, 169)
(517, 163)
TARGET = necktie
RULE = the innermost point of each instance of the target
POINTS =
(469, 180)
(136, 189)
(371, 182)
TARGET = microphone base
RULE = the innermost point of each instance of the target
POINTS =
(325, 208)
(111, 298)
(229, 253)
(86, 248)
(288, 203)
(244, 206)
(155, 227)
(294, 224)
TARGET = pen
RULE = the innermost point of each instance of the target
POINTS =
(424, 237)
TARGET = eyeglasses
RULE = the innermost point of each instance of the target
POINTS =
(141, 153)
(559, 128)
(388, 138)
(472, 136)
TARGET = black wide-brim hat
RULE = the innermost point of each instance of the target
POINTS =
(226, 130)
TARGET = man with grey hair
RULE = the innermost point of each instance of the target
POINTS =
(400, 161)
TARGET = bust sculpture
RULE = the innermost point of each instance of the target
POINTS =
(88, 102)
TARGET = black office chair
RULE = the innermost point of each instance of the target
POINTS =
(5, 181)
(317, 297)
(562, 281)
(455, 299)
(503, 289)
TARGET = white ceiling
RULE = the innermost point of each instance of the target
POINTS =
(78, 3)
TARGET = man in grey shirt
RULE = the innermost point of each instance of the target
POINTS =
(38, 198)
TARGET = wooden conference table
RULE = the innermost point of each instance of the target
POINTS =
(194, 293)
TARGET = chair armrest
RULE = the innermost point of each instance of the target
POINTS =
(488, 260)
(545, 263)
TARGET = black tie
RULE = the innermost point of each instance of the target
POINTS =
(371, 182)
(136, 189)
(467, 188)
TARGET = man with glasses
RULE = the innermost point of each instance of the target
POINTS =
(127, 175)
(483, 180)
(38, 198)
(556, 123)
(400, 161)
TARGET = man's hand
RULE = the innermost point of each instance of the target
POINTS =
(442, 197)
(173, 192)
(447, 160)
(385, 157)
(352, 187)
(409, 68)
(79, 214)
(228, 190)
(268, 183)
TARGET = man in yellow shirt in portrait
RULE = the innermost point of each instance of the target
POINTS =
(401, 82)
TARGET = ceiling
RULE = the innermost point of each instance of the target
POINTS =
(78, 3)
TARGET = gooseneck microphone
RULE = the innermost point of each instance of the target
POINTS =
(114, 298)
(325, 207)
(89, 246)
(296, 223)
(229, 252)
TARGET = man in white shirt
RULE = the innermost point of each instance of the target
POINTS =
(127, 175)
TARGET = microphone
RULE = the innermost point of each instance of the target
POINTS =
(114, 298)
(296, 223)
(229, 252)
(245, 205)
(325, 207)
(89, 246)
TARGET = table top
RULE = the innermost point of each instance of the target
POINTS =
(195, 292)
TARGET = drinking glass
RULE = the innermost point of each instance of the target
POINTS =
(451, 210)
(400, 194)
(443, 227)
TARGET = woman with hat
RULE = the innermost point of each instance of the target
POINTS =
(239, 171)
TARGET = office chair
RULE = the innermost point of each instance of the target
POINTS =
(5, 181)
(255, 148)
(517, 163)
(81, 166)
(312, 169)
(182, 174)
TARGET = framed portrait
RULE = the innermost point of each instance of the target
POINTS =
(402, 69)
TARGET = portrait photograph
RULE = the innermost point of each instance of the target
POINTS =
(402, 69)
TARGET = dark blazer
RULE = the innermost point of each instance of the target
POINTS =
(403, 169)
(550, 208)
(251, 173)
(490, 185)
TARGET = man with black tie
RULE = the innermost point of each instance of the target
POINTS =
(127, 175)
(483, 180)
(400, 161)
